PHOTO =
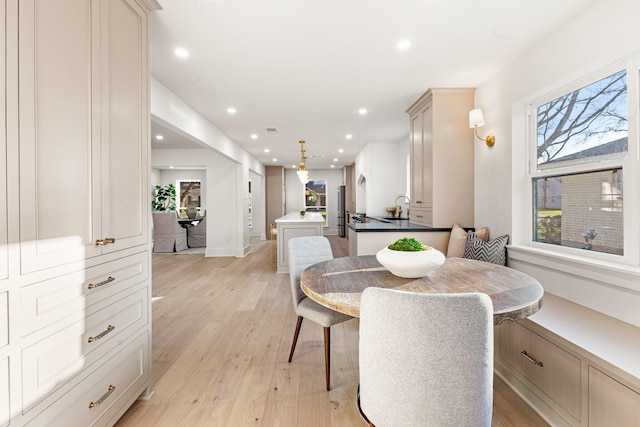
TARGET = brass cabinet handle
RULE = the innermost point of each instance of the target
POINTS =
(104, 282)
(531, 359)
(104, 396)
(419, 216)
(102, 242)
(102, 334)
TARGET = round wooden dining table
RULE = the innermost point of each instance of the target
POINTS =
(338, 284)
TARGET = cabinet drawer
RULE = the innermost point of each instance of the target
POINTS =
(49, 301)
(102, 394)
(611, 403)
(50, 363)
(421, 216)
(555, 372)
(4, 319)
(4, 392)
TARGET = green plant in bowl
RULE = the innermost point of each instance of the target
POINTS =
(408, 244)
(409, 258)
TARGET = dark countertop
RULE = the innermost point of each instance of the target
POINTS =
(383, 224)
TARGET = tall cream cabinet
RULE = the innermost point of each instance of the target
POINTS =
(75, 279)
(442, 158)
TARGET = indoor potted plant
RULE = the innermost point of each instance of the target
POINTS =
(164, 198)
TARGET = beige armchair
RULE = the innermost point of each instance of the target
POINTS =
(168, 235)
(197, 235)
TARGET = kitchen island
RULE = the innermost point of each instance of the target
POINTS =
(369, 237)
(295, 225)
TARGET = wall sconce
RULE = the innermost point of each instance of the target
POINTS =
(303, 173)
(476, 119)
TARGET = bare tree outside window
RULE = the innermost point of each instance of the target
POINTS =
(582, 207)
(574, 125)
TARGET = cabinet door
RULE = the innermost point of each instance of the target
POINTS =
(421, 158)
(611, 403)
(125, 123)
(427, 156)
(416, 161)
(4, 392)
(4, 229)
(58, 195)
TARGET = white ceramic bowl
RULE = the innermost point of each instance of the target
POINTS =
(411, 265)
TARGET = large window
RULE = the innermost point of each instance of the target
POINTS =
(315, 197)
(580, 140)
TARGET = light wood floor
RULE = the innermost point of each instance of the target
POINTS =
(222, 330)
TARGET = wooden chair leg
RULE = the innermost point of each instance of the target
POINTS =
(327, 355)
(295, 337)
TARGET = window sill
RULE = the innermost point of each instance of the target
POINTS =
(614, 274)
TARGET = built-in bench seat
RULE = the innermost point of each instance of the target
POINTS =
(581, 367)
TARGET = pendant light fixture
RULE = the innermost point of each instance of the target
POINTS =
(303, 173)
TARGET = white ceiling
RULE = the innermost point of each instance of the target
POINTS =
(306, 67)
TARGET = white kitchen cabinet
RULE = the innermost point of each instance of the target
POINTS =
(83, 129)
(442, 158)
(4, 392)
(75, 288)
(107, 391)
(4, 228)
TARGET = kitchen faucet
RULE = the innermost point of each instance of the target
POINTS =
(399, 208)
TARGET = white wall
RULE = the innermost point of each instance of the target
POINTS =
(171, 111)
(384, 168)
(227, 221)
(599, 36)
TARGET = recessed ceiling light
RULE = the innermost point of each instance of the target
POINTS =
(274, 159)
(159, 137)
(254, 136)
(170, 167)
(362, 111)
(266, 150)
(335, 160)
(294, 166)
(231, 110)
(349, 136)
(404, 44)
(181, 52)
(341, 151)
(333, 166)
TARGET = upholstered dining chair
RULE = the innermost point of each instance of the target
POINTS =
(426, 359)
(197, 235)
(168, 235)
(303, 252)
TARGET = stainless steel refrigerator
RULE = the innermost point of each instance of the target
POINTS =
(342, 211)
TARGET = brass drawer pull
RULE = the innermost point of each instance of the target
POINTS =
(419, 216)
(104, 282)
(531, 359)
(418, 201)
(104, 396)
(102, 242)
(102, 334)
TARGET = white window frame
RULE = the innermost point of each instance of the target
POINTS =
(630, 166)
